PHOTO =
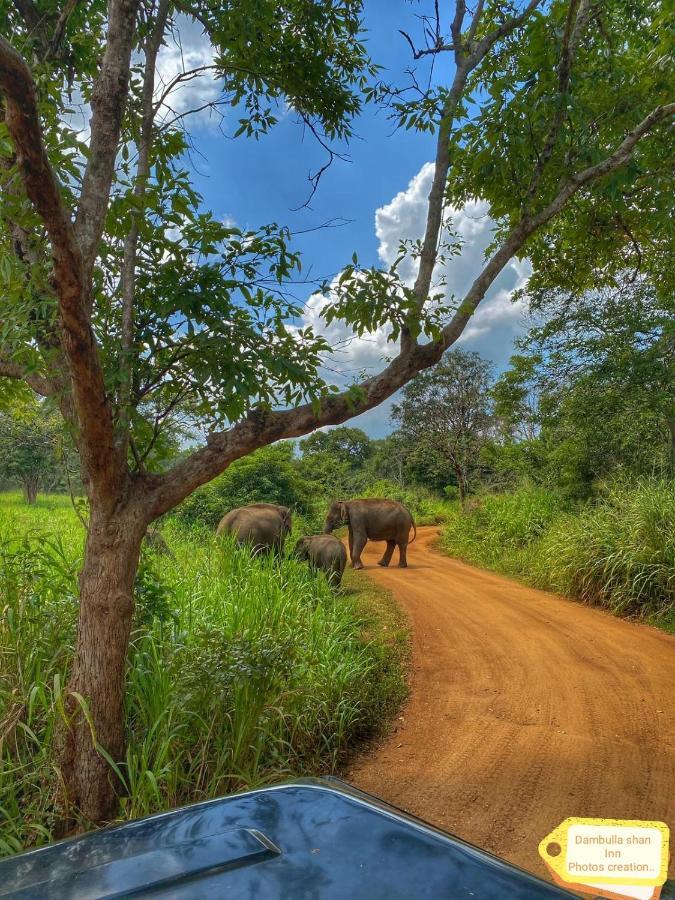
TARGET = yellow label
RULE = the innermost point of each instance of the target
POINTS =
(607, 851)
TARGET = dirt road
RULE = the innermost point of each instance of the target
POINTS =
(525, 709)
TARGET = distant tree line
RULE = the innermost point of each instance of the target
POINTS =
(589, 395)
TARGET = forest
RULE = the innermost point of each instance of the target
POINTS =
(158, 369)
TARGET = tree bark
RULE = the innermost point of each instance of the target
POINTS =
(98, 676)
(461, 483)
(30, 491)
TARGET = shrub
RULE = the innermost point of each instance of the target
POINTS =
(267, 476)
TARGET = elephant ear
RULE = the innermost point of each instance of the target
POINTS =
(343, 509)
(286, 517)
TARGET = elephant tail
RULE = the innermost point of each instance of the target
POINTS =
(415, 529)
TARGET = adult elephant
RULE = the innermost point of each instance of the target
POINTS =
(262, 526)
(373, 520)
(325, 553)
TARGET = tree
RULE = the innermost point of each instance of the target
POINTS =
(516, 398)
(123, 300)
(349, 445)
(31, 444)
(592, 393)
(269, 475)
(446, 411)
(334, 460)
(616, 346)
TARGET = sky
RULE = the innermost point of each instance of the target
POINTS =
(378, 194)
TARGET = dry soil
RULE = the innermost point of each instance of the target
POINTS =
(525, 709)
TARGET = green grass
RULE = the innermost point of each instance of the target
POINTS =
(617, 552)
(241, 670)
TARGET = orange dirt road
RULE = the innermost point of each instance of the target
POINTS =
(525, 709)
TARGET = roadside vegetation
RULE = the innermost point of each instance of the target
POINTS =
(617, 551)
(241, 670)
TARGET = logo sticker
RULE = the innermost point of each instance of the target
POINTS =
(613, 858)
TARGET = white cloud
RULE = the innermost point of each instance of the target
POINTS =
(186, 49)
(492, 329)
(405, 217)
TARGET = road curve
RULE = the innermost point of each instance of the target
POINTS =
(525, 709)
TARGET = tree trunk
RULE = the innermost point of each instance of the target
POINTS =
(98, 676)
(671, 448)
(30, 491)
(461, 483)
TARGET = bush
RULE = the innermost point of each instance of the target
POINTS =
(269, 475)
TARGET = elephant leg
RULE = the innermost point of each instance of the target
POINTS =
(388, 553)
(351, 544)
(357, 549)
(402, 557)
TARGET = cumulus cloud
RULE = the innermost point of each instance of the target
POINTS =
(497, 320)
(493, 327)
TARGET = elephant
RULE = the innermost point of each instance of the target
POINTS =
(375, 520)
(263, 526)
(325, 553)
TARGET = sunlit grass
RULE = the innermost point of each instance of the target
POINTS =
(241, 670)
(617, 552)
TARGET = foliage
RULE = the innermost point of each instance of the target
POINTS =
(201, 287)
(445, 413)
(334, 462)
(267, 476)
(529, 137)
(592, 395)
(241, 670)
(32, 447)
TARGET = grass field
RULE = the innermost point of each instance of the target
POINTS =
(241, 670)
(618, 552)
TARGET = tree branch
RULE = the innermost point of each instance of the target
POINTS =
(577, 15)
(479, 51)
(153, 45)
(77, 339)
(107, 103)
(60, 28)
(529, 224)
(262, 427)
(17, 372)
(464, 66)
(29, 13)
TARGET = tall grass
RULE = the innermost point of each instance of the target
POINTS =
(617, 552)
(502, 531)
(241, 670)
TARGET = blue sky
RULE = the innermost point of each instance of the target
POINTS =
(380, 192)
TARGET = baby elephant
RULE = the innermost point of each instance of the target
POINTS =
(324, 552)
